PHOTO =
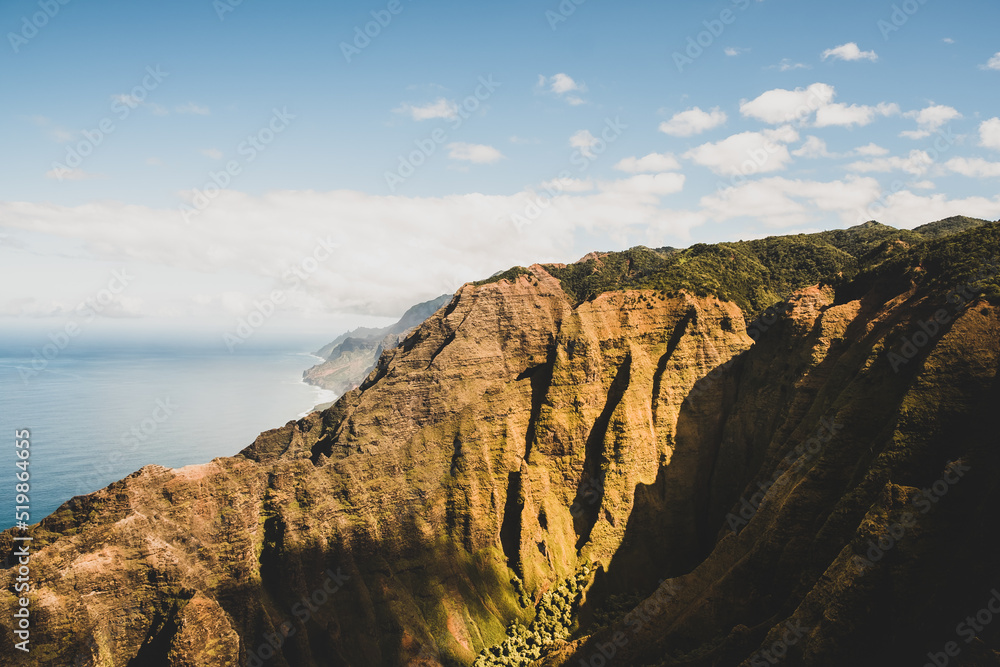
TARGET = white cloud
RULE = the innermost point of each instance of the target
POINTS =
(131, 101)
(61, 135)
(55, 132)
(929, 120)
(782, 202)
(746, 153)
(849, 51)
(562, 85)
(213, 153)
(989, 133)
(907, 210)
(923, 185)
(474, 153)
(916, 163)
(812, 147)
(65, 174)
(646, 184)
(193, 108)
(993, 63)
(948, 40)
(779, 106)
(120, 306)
(371, 269)
(574, 185)
(974, 167)
(871, 149)
(736, 50)
(652, 163)
(693, 121)
(584, 141)
(844, 115)
(440, 108)
(788, 65)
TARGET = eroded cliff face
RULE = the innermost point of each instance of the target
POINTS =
(867, 531)
(462, 454)
(516, 432)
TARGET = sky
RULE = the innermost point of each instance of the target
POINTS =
(234, 167)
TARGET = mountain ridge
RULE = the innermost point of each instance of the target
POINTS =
(522, 433)
(350, 357)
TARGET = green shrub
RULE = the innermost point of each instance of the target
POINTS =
(554, 617)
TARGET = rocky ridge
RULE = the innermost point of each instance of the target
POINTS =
(719, 470)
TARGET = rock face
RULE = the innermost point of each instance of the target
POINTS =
(741, 502)
(351, 356)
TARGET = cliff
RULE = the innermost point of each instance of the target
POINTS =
(352, 355)
(713, 473)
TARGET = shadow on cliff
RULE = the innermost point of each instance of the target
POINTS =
(374, 601)
(897, 611)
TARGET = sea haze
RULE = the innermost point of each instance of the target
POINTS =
(188, 404)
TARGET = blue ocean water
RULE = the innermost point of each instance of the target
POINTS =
(99, 414)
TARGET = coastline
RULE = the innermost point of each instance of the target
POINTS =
(324, 397)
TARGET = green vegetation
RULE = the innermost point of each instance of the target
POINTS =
(614, 609)
(509, 275)
(948, 226)
(553, 621)
(969, 258)
(522, 595)
(753, 274)
(867, 243)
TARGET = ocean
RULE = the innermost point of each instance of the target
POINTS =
(97, 415)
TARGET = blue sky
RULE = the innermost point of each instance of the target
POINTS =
(787, 117)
